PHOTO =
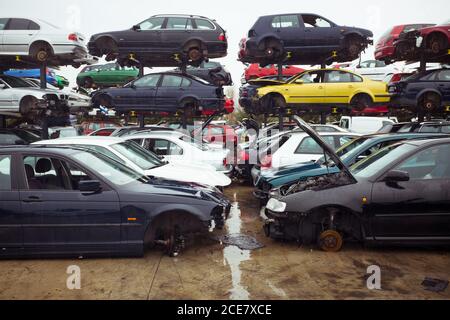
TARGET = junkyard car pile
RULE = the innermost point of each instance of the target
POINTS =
(123, 187)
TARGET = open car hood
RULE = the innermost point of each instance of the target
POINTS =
(328, 150)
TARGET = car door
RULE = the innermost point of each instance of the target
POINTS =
(3, 22)
(142, 92)
(318, 34)
(146, 37)
(443, 80)
(56, 216)
(11, 235)
(170, 91)
(288, 29)
(338, 86)
(308, 88)
(175, 33)
(418, 209)
(18, 35)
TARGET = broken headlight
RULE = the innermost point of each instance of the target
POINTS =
(276, 205)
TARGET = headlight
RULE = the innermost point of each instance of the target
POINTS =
(276, 205)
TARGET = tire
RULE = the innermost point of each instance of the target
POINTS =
(27, 105)
(353, 46)
(107, 47)
(361, 102)
(330, 241)
(272, 49)
(41, 52)
(105, 101)
(430, 102)
(437, 44)
(189, 107)
(88, 82)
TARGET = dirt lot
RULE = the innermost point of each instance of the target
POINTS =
(209, 270)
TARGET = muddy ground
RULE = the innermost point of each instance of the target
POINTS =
(209, 270)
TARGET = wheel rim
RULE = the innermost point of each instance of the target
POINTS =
(435, 46)
(194, 54)
(330, 241)
(270, 52)
(42, 55)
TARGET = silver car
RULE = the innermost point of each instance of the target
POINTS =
(18, 96)
(41, 41)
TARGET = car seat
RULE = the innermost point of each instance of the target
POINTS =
(49, 181)
(33, 183)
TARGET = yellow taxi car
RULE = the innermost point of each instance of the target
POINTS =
(323, 87)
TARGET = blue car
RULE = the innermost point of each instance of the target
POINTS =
(33, 73)
(351, 153)
(68, 201)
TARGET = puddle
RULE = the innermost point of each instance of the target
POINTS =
(233, 256)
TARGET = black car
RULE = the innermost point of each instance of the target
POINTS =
(213, 72)
(17, 137)
(427, 91)
(164, 40)
(248, 91)
(298, 38)
(398, 195)
(75, 202)
(164, 92)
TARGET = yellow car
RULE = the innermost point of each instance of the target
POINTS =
(323, 87)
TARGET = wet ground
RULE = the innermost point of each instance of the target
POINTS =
(210, 270)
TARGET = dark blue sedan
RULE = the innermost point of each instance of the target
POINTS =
(163, 92)
(75, 202)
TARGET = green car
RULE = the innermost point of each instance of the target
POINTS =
(107, 75)
(61, 82)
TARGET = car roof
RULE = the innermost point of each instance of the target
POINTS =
(59, 150)
(326, 133)
(426, 142)
(88, 140)
(155, 133)
(181, 15)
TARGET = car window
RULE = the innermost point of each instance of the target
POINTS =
(203, 24)
(171, 81)
(312, 21)
(444, 75)
(186, 83)
(7, 138)
(147, 81)
(136, 154)
(5, 172)
(216, 131)
(376, 162)
(344, 140)
(14, 82)
(155, 23)
(337, 76)
(19, 24)
(33, 26)
(175, 150)
(103, 151)
(44, 173)
(157, 146)
(178, 23)
(289, 21)
(310, 146)
(3, 22)
(311, 77)
(431, 163)
(429, 77)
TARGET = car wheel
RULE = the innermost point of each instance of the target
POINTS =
(43, 53)
(437, 44)
(27, 105)
(330, 241)
(353, 47)
(105, 101)
(194, 54)
(361, 102)
(88, 82)
(403, 51)
(273, 49)
(430, 102)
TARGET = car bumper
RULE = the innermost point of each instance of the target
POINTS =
(70, 50)
(384, 52)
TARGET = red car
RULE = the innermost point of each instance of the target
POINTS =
(385, 49)
(91, 126)
(223, 134)
(255, 71)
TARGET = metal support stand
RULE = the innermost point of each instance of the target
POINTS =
(43, 75)
(141, 120)
(280, 71)
(280, 121)
(2, 121)
(323, 118)
(141, 71)
(184, 121)
(44, 126)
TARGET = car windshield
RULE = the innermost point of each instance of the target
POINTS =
(14, 82)
(373, 164)
(343, 151)
(111, 170)
(138, 155)
(27, 136)
(199, 144)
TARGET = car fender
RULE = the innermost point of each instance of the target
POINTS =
(188, 96)
(270, 35)
(361, 91)
(193, 39)
(39, 38)
(428, 90)
(202, 215)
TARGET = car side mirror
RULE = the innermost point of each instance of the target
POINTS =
(136, 28)
(89, 186)
(396, 176)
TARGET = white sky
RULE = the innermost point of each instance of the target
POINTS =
(93, 16)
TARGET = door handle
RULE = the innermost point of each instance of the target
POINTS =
(32, 199)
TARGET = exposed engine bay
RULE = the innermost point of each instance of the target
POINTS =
(318, 183)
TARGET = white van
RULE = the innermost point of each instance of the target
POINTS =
(365, 125)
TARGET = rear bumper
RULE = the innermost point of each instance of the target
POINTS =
(384, 52)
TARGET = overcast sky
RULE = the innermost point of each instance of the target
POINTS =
(93, 16)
